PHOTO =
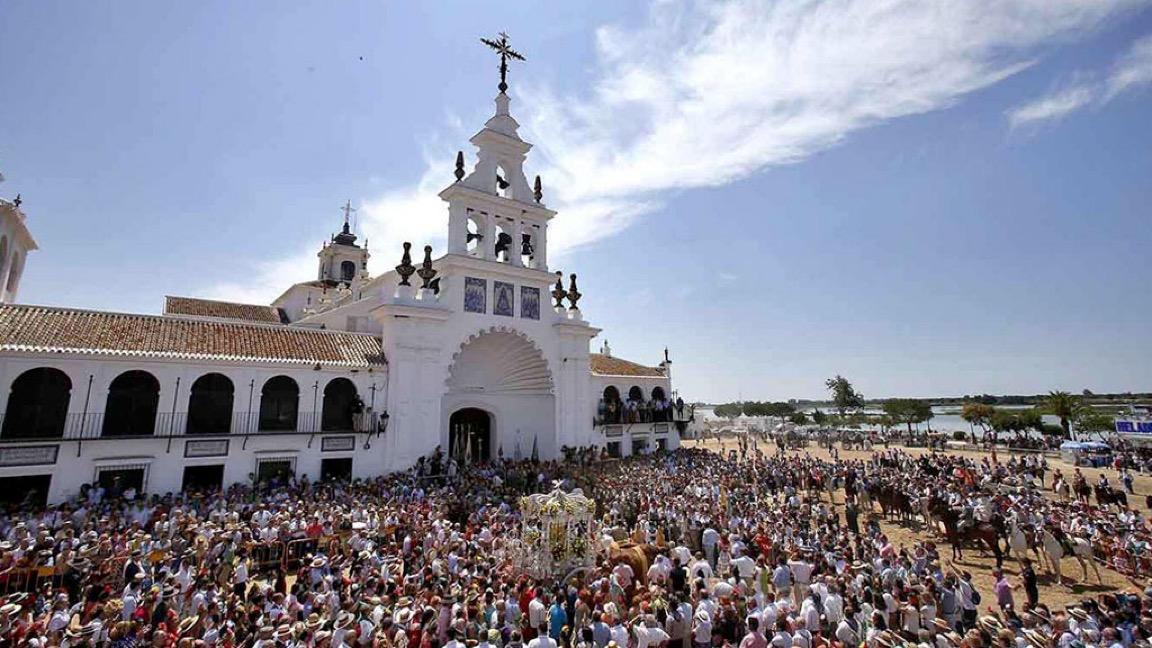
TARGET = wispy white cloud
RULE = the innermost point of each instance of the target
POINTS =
(1052, 106)
(1131, 71)
(703, 94)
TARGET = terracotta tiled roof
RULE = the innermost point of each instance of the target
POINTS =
(222, 310)
(47, 329)
(609, 366)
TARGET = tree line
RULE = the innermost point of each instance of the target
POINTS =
(1075, 414)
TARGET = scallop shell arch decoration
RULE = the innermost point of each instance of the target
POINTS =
(499, 360)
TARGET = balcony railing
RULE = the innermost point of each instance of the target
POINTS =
(93, 426)
(627, 412)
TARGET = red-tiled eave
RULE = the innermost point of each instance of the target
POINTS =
(603, 365)
(49, 329)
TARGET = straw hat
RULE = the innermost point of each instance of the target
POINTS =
(1035, 638)
(313, 622)
(187, 624)
(283, 632)
(991, 624)
(941, 625)
(318, 562)
(344, 620)
(1080, 613)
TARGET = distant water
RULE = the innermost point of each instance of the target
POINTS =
(946, 419)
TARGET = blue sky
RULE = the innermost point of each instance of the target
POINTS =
(928, 197)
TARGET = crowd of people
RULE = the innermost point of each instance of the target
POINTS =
(698, 549)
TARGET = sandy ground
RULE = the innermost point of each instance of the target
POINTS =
(981, 565)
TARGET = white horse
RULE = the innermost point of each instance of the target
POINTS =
(1081, 551)
(1019, 542)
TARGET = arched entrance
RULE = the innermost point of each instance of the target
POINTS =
(503, 374)
(470, 435)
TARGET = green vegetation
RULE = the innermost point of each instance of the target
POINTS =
(908, 411)
(845, 398)
(1064, 406)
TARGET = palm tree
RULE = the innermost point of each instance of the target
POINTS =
(1063, 405)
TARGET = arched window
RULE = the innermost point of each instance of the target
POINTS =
(660, 406)
(14, 273)
(503, 181)
(474, 235)
(505, 244)
(210, 405)
(37, 405)
(610, 408)
(636, 394)
(340, 404)
(279, 403)
(133, 399)
(347, 271)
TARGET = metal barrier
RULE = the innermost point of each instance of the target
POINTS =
(266, 555)
(296, 550)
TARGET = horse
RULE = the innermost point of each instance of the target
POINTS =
(893, 501)
(1020, 541)
(1106, 495)
(981, 533)
(1055, 549)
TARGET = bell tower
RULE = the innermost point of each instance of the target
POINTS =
(342, 261)
(494, 213)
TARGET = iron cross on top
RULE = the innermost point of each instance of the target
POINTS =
(506, 52)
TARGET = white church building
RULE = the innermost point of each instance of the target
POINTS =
(480, 350)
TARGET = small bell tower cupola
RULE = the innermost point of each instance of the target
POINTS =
(494, 212)
(342, 261)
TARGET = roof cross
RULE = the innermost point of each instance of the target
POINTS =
(505, 52)
(347, 209)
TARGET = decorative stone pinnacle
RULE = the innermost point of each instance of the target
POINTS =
(573, 294)
(538, 190)
(459, 166)
(558, 293)
(426, 272)
(406, 269)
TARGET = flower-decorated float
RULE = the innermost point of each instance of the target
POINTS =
(556, 533)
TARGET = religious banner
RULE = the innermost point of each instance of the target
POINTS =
(503, 296)
(338, 444)
(475, 295)
(206, 448)
(28, 455)
(529, 302)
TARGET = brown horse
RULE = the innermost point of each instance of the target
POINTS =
(982, 534)
(893, 501)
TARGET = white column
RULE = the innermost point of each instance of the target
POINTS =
(489, 241)
(541, 243)
(457, 229)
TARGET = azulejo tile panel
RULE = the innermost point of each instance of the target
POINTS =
(475, 295)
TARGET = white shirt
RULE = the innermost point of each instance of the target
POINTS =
(646, 636)
(543, 641)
